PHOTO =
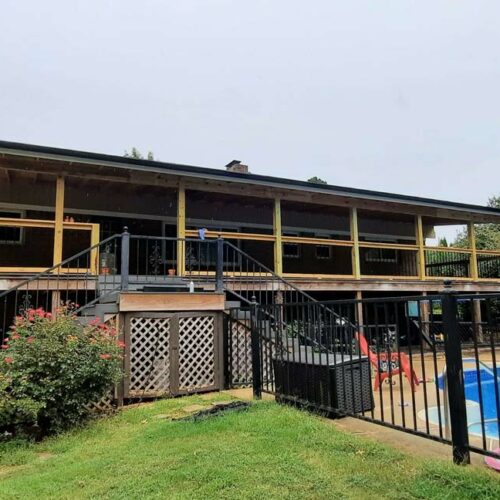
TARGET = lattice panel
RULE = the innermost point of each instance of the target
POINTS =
(106, 405)
(196, 352)
(149, 356)
(241, 354)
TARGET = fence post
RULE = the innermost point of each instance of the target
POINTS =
(455, 377)
(219, 266)
(255, 343)
(125, 257)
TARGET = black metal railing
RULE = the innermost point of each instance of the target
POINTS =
(77, 282)
(488, 266)
(380, 360)
(442, 263)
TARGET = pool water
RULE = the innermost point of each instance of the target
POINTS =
(489, 400)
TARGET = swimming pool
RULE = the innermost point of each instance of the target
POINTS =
(490, 400)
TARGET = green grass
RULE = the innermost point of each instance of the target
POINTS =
(268, 451)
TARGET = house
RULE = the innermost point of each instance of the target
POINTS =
(227, 237)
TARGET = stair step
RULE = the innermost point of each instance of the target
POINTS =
(232, 304)
(109, 298)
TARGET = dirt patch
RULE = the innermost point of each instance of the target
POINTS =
(45, 455)
(215, 410)
(6, 470)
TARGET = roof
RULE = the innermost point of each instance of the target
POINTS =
(45, 152)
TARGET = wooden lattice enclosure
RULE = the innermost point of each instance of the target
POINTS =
(171, 353)
(239, 355)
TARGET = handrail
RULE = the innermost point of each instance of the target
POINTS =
(49, 270)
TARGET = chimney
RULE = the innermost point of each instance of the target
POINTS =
(237, 166)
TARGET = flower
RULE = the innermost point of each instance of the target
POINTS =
(15, 336)
(30, 339)
(6, 339)
(5, 346)
(122, 344)
(105, 356)
(9, 359)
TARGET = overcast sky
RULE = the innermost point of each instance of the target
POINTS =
(392, 95)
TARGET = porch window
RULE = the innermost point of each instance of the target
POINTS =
(291, 250)
(11, 235)
(323, 252)
(381, 255)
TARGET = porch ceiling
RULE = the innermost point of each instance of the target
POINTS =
(119, 169)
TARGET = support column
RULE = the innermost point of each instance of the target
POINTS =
(278, 244)
(477, 320)
(425, 314)
(419, 233)
(359, 311)
(471, 231)
(59, 222)
(181, 230)
(356, 268)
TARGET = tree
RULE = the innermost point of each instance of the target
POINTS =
(316, 180)
(443, 242)
(137, 155)
(487, 235)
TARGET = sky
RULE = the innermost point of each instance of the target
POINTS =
(394, 95)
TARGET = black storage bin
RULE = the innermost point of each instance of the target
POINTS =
(330, 381)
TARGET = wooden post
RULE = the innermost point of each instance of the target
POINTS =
(94, 253)
(471, 231)
(477, 321)
(181, 229)
(59, 222)
(419, 233)
(278, 245)
(359, 311)
(356, 268)
(56, 302)
(424, 318)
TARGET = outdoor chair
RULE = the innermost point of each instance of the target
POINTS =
(387, 364)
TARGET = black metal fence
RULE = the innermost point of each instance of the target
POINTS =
(401, 362)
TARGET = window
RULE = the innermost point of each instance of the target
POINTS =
(11, 235)
(323, 252)
(291, 250)
(381, 255)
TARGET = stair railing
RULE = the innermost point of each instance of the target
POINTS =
(76, 282)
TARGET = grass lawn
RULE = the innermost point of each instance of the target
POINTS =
(268, 451)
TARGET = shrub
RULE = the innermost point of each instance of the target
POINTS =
(51, 368)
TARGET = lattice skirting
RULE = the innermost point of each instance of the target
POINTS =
(106, 405)
(171, 353)
(196, 352)
(240, 355)
(149, 356)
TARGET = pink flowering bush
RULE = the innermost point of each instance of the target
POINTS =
(51, 368)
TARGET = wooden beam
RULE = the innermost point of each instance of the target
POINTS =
(356, 267)
(471, 230)
(278, 242)
(191, 233)
(181, 229)
(59, 221)
(134, 301)
(419, 233)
